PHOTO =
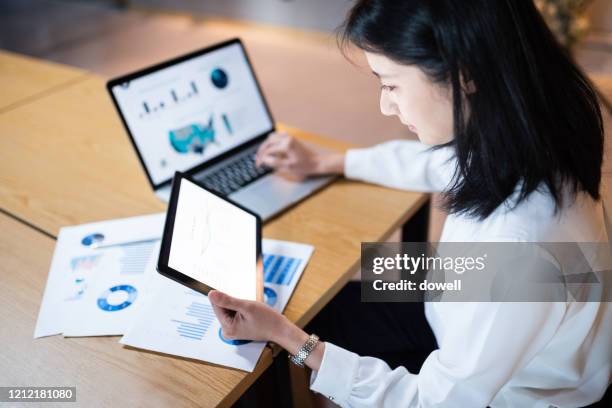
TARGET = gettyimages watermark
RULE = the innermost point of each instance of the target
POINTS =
(486, 272)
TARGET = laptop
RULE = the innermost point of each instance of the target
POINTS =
(204, 114)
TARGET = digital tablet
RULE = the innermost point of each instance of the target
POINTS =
(210, 242)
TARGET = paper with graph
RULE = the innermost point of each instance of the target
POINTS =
(180, 321)
(98, 276)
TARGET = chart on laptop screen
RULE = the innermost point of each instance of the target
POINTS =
(190, 112)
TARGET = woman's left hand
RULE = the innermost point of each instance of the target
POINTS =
(246, 319)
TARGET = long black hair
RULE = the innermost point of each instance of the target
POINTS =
(534, 120)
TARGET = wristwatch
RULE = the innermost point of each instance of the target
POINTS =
(304, 351)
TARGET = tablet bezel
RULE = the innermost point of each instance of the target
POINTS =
(164, 253)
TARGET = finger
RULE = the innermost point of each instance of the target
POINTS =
(265, 144)
(225, 301)
(260, 156)
(263, 152)
(271, 160)
(277, 140)
(278, 145)
(228, 334)
(226, 317)
(279, 148)
(272, 139)
(222, 314)
(228, 328)
(274, 161)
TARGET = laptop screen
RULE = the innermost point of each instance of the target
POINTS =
(187, 113)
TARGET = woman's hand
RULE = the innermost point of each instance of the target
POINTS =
(245, 319)
(292, 158)
(252, 320)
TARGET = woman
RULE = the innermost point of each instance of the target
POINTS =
(518, 145)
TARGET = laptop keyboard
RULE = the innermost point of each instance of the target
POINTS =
(234, 176)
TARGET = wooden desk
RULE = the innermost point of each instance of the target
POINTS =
(104, 372)
(65, 159)
(23, 78)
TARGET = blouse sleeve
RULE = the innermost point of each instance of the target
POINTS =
(483, 346)
(402, 164)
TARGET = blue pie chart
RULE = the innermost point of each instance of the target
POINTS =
(91, 239)
(232, 342)
(219, 78)
(270, 296)
(110, 307)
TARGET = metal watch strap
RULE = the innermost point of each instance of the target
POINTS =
(304, 351)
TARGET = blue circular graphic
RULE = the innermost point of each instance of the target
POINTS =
(91, 239)
(270, 296)
(103, 302)
(219, 78)
(232, 342)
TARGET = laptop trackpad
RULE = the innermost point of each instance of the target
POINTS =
(271, 194)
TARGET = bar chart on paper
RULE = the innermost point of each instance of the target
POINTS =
(180, 321)
(200, 316)
(279, 269)
(135, 257)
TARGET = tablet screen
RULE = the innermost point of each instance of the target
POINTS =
(214, 242)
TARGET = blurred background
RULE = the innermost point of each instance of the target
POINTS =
(308, 83)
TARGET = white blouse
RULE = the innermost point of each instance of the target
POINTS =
(490, 354)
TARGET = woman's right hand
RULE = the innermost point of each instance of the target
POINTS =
(253, 320)
(292, 158)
